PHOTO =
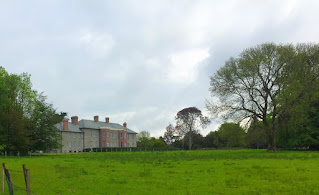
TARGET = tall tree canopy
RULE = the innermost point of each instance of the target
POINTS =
(188, 122)
(266, 82)
(26, 120)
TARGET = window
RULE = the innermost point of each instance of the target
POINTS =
(128, 136)
(125, 135)
(91, 133)
(108, 134)
(79, 135)
(69, 134)
(108, 144)
(74, 144)
(80, 144)
(70, 144)
(111, 134)
(96, 144)
(121, 144)
(103, 145)
(124, 144)
(91, 144)
(121, 135)
(103, 133)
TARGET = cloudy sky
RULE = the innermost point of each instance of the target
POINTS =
(140, 61)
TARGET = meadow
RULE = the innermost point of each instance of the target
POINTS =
(170, 172)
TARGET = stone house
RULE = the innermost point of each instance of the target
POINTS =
(71, 137)
(85, 134)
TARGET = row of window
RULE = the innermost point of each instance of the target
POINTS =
(74, 144)
(96, 133)
(108, 144)
(108, 135)
(115, 145)
(74, 135)
(96, 144)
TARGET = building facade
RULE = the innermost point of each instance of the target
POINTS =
(87, 134)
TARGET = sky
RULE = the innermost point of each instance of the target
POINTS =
(140, 62)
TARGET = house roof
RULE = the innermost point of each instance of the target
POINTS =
(72, 127)
(89, 124)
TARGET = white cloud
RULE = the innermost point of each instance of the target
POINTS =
(96, 44)
(184, 65)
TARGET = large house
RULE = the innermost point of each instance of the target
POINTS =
(87, 134)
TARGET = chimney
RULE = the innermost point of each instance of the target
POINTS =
(75, 120)
(107, 119)
(65, 124)
(124, 124)
(96, 118)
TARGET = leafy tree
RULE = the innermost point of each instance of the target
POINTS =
(15, 111)
(299, 122)
(25, 117)
(144, 139)
(259, 84)
(159, 143)
(232, 135)
(209, 140)
(301, 131)
(45, 135)
(197, 140)
(188, 121)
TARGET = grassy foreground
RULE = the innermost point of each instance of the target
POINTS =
(175, 172)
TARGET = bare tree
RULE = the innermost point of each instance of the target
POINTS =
(169, 135)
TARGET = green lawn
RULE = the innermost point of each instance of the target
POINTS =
(173, 172)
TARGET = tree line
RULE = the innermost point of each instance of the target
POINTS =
(274, 87)
(26, 119)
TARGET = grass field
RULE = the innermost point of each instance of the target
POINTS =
(175, 172)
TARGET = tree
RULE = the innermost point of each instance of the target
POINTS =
(232, 135)
(299, 122)
(169, 134)
(25, 118)
(144, 139)
(15, 111)
(188, 121)
(301, 130)
(45, 136)
(197, 140)
(259, 84)
(159, 143)
(209, 139)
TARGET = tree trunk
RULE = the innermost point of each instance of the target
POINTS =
(270, 136)
(271, 142)
(190, 140)
(183, 145)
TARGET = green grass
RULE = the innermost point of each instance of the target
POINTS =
(175, 172)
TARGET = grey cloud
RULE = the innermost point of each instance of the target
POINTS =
(112, 58)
